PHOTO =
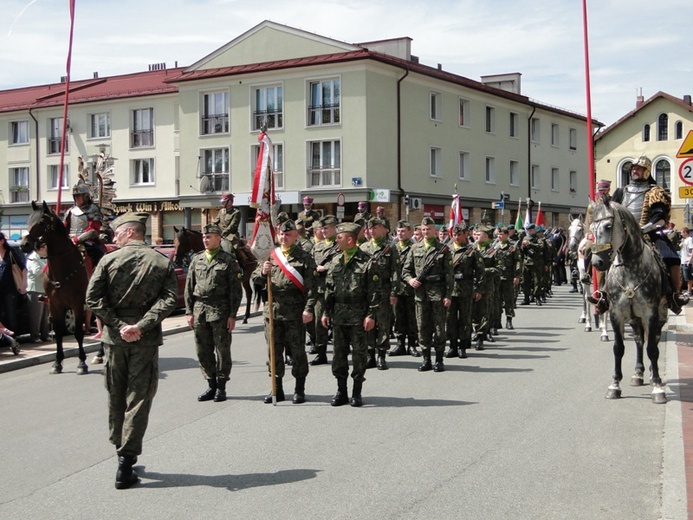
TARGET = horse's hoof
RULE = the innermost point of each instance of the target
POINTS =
(97, 360)
(636, 381)
(56, 369)
(613, 393)
(582, 320)
(245, 321)
(588, 329)
(604, 337)
(82, 369)
(658, 396)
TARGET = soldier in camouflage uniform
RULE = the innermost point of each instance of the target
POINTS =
(303, 241)
(132, 290)
(507, 261)
(293, 302)
(546, 263)
(362, 215)
(532, 265)
(482, 309)
(382, 252)
(405, 309)
(229, 217)
(380, 213)
(429, 271)
(212, 297)
(308, 215)
(352, 296)
(323, 253)
(468, 269)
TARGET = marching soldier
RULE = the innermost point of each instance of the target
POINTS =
(468, 269)
(382, 253)
(323, 253)
(429, 271)
(212, 298)
(405, 308)
(352, 296)
(507, 257)
(482, 309)
(292, 272)
(533, 260)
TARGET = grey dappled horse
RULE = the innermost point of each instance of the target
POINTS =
(634, 289)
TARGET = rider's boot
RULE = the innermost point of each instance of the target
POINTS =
(679, 298)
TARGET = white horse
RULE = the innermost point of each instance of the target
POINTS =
(579, 244)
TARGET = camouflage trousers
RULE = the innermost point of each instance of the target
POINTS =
(507, 297)
(480, 316)
(131, 379)
(405, 316)
(459, 318)
(531, 281)
(213, 344)
(379, 337)
(321, 332)
(345, 336)
(430, 318)
(289, 334)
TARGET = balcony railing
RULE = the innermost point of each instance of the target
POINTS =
(216, 124)
(323, 114)
(54, 145)
(271, 118)
(318, 177)
(210, 182)
(142, 138)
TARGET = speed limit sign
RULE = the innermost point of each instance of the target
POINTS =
(686, 171)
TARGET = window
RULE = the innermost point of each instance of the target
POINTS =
(572, 135)
(464, 112)
(269, 103)
(554, 134)
(324, 102)
(490, 173)
(325, 159)
(436, 106)
(662, 127)
(572, 180)
(514, 125)
(490, 120)
(679, 129)
(436, 158)
(53, 170)
(534, 128)
(625, 173)
(143, 172)
(215, 168)
(55, 132)
(277, 164)
(514, 173)
(19, 184)
(663, 174)
(142, 128)
(645, 134)
(554, 179)
(535, 177)
(215, 113)
(19, 132)
(99, 126)
(465, 170)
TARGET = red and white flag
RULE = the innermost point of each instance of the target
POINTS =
(263, 200)
(289, 270)
(455, 213)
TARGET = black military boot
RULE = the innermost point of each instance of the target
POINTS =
(490, 338)
(371, 359)
(439, 366)
(220, 394)
(300, 391)
(413, 351)
(280, 391)
(400, 349)
(208, 394)
(426, 365)
(464, 345)
(321, 358)
(526, 300)
(381, 363)
(479, 341)
(356, 400)
(509, 323)
(342, 395)
(494, 331)
(126, 477)
(453, 350)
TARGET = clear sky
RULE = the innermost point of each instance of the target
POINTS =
(634, 44)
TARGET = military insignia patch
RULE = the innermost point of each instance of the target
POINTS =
(375, 278)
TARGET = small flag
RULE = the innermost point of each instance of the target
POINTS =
(540, 217)
(455, 213)
(518, 221)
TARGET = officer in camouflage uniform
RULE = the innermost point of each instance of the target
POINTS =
(405, 309)
(212, 297)
(468, 269)
(385, 255)
(532, 265)
(323, 253)
(132, 290)
(507, 260)
(293, 302)
(483, 308)
(429, 271)
(352, 296)
(308, 215)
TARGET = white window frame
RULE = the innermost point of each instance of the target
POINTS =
(572, 181)
(465, 169)
(53, 176)
(435, 162)
(327, 175)
(572, 136)
(277, 163)
(317, 109)
(514, 121)
(219, 177)
(490, 170)
(19, 133)
(555, 135)
(142, 132)
(95, 125)
(535, 130)
(268, 106)
(214, 112)
(464, 113)
(55, 132)
(535, 177)
(435, 106)
(514, 173)
(137, 177)
(490, 119)
(555, 179)
(19, 184)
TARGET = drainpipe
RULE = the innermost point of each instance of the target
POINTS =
(529, 154)
(38, 175)
(399, 141)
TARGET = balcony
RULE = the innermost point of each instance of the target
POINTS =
(215, 124)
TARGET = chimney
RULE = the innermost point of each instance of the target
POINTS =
(687, 99)
(63, 79)
(440, 66)
(96, 75)
(639, 99)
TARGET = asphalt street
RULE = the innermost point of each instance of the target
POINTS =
(519, 431)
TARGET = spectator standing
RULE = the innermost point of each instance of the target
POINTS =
(686, 253)
(38, 310)
(9, 291)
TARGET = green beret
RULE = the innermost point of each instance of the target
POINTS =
(530, 226)
(404, 224)
(511, 226)
(540, 229)
(500, 224)
(460, 226)
(349, 227)
(130, 216)
(376, 221)
(428, 221)
(211, 228)
(329, 220)
(287, 225)
(484, 228)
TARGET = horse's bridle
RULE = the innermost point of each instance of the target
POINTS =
(601, 248)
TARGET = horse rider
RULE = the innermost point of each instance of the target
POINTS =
(83, 222)
(650, 204)
(380, 213)
(362, 215)
(228, 219)
(308, 215)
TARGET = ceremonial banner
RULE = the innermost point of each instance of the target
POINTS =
(455, 213)
(540, 217)
(518, 221)
(263, 200)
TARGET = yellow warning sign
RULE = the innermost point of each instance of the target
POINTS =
(686, 149)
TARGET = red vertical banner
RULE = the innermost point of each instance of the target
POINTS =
(588, 96)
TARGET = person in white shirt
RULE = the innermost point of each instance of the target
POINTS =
(686, 253)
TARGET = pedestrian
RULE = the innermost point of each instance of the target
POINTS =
(352, 295)
(212, 296)
(132, 290)
(10, 289)
(686, 253)
(292, 274)
(38, 309)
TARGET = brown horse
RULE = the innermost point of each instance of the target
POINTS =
(65, 282)
(189, 241)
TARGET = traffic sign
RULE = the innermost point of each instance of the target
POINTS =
(686, 192)
(686, 149)
(498, 204)
(686, 172)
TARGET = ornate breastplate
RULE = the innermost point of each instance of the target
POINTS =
(78, 221)
(633, 198)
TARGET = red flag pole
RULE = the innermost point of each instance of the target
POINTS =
(590, 138)
(63, 137)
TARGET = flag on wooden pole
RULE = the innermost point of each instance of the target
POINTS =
(263, 200)
(455, 213)
(518, 221)
(540, 217)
